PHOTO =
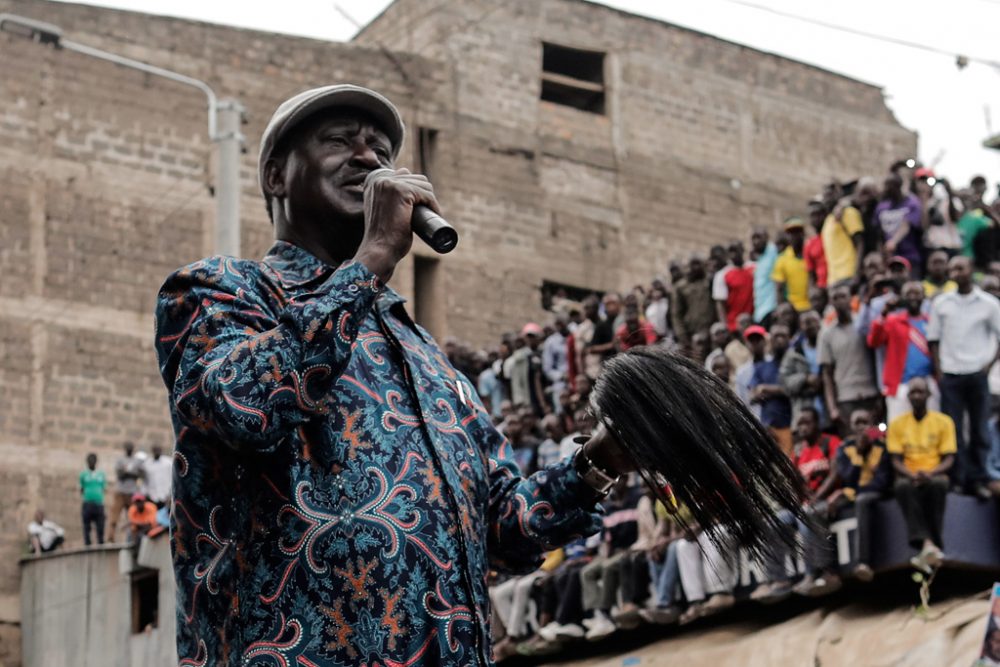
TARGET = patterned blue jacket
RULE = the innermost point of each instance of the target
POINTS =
(340, 492)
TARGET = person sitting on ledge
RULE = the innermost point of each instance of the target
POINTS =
(922, 444)
(865, 472)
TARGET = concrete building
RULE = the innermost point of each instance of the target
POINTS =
(571, 144)
(109, 605)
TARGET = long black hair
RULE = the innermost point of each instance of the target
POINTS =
(677, 419)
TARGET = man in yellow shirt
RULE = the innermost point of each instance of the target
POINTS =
(842, 238)
(790, 275)
(936, 280)
(922, 445)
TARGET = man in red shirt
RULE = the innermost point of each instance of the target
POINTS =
(815, 453)
(634, 332)
(732, 287)
(813, 253)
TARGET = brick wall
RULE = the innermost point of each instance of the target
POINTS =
(106, 181)
(607, 200)
(107, 177)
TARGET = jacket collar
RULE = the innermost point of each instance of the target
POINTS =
(295, 268)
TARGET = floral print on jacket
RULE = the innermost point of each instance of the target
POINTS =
(340, 493)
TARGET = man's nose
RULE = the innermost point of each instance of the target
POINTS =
(365, 156)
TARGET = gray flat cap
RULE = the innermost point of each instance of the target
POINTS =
(295, 109)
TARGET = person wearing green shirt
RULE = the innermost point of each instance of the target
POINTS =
(92, 483)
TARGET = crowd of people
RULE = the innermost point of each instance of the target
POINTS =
(141, 493)
(863, 335)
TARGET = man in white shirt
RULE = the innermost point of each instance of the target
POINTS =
(158, 473)
(44, 535)
(964, 332)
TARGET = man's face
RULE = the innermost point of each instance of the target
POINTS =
(873, 266)
(978, 188)
(157, 451)
(816, 216)
(514, 428)
(91, 461)
(937, 266)
(676, 273)
(898, 271)
(758, 240)
(795, 236)
(991, 285)
(720, 368)
(861, 421)
(893, 186)
(757, 345)
(918, 393)
(612, 305)
(128, 448)
(779, 338)
(818, 299)
(806, 427)
(696, 268)
(810, 324)
(960, 270)
(736, 253)
(841, 299)
(700, 343)
(632, 319)
(327, 160)
(993, 645)
(866, 195)
(720, 336)
(913, 296)
(785, 314)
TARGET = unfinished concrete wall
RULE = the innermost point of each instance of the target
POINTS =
(700, 139)
(77, 608)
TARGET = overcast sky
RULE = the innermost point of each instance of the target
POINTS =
(952, 109)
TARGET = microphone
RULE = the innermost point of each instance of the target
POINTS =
(432, 229)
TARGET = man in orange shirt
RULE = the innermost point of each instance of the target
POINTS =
(141, 516)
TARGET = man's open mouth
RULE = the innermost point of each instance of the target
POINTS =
(354, 183)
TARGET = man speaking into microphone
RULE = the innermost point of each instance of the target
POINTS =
(340, 492)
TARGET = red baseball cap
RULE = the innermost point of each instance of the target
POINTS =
(531, 329)
(924, 172)
(755, 330)
(899, 260)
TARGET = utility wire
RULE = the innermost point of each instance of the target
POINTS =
(869, 35)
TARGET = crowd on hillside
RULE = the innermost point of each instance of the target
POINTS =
(860, 334)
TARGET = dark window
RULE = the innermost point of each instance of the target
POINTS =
(145, 599)
(573, 77)
(553, 290)
(427, 304)
(426, 150)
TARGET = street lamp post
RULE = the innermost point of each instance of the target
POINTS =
(225, 118)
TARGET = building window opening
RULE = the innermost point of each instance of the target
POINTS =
(426, 151)
(573, 77)
(145, 600)
(428, 306)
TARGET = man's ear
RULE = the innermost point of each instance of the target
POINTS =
(274, 177)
